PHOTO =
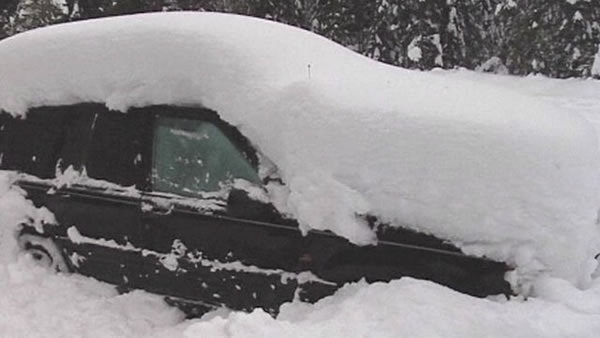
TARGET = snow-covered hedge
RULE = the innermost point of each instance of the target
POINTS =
(493, 171)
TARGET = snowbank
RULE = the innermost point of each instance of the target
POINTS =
(36, 303)
(408, 308)
(14, 210)
(496, 172)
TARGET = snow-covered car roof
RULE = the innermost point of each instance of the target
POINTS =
(496, 172)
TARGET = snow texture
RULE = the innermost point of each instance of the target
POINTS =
(411, 308)
(37, 303)
(493, 65)
(15, 209)
(494, 171)
(413, 51)
(596, 64)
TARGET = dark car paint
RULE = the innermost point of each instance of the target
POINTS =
(244, 256)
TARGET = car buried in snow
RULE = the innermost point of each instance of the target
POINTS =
(138, 202)
(220, 160)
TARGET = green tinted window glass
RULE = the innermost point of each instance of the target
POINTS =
(193, 156)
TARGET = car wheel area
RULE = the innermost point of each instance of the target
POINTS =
(44, 251)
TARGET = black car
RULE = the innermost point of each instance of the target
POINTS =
(163, 198)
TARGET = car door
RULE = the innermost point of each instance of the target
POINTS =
(207, 240)
(94, 193)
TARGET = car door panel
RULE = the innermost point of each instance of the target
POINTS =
(337, 260)
(98, 219)
(230, 259)
(223, 260)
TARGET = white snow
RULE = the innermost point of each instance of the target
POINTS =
(76, 237)
(492, 170)
(413, 51)
(407, 308)
(596, 64)
(439, 59)
(493, 65)
(37, 303)
(72, 177)
(14, 210)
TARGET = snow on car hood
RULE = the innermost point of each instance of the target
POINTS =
(496, 172)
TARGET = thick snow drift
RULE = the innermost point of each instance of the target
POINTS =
(484, 167)
(36, 303)
(14, 210)
(412, 308)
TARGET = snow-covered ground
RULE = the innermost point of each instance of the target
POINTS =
(36, 303)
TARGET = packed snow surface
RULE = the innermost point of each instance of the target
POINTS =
(14, 210)
(492, 170)
(36, 303)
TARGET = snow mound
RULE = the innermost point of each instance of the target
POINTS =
(496, 172)
(37, 303)
(14, 210)
(407, 308)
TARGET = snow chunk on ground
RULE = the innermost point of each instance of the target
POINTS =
(498, 173)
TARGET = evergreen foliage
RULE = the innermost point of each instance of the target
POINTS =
(558, 38)
(554, 37)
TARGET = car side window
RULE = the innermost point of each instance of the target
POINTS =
(194, 156)
(33, 144)
(116, 148)
(76, 134)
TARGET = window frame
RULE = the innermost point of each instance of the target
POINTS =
(240, 142)
(81, 151)
(148, 117)
(60, 118)
(144, 120)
